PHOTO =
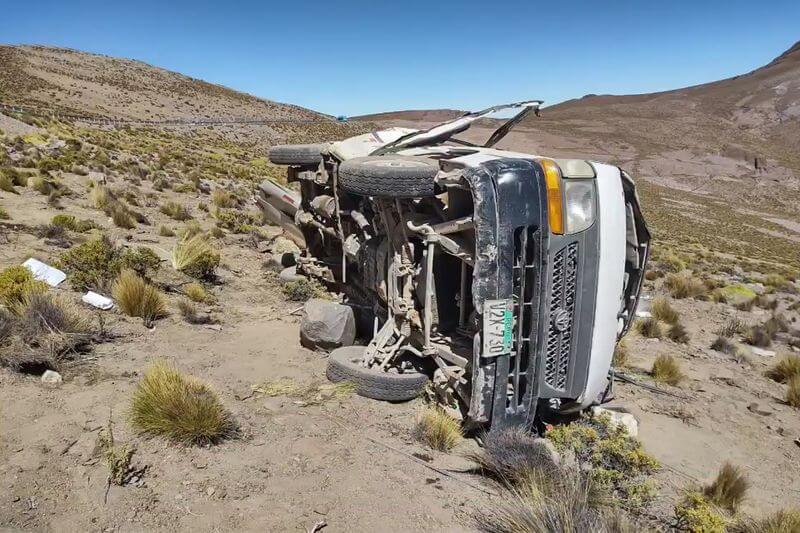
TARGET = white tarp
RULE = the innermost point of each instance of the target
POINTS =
(42, 272)
(97, 300)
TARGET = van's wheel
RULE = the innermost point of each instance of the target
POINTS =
(296, 154)
(344, 364)
(389, 176)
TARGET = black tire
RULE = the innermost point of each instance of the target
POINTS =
(389, 176)
(296, 154)
(344, 365)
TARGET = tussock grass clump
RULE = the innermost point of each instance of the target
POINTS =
(650, 328)
(729, 488)
(724, 345)
(121, 216)
(41, 313)
(662, 310)
(195, 257)
(6, 184)
(175, 211)
(621, 355)
(437, 429)
(677, 333)
(667, 369)
(190, 313)
(179, 407)
(776, 324)
(42, 185)
(569, 503)
(511, 455)
(135, 297)
(758, 336)
(16, 283)
(783, 521)
(196, 292)
(680, 287)
(732, 327)
(164, 231)
(222, 198)
(785, 369)
(793, 392)
(100, 197)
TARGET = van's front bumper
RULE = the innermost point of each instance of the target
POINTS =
(565, 292)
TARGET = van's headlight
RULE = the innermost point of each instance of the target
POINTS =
(579, 204)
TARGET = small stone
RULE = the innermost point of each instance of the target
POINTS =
(290, 274)
(210, 491)
(51, 377)
(762, 352)
(755, 408)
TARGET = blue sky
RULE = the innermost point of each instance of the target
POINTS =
(363, 57)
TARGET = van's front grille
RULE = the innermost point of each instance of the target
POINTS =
(558, 347)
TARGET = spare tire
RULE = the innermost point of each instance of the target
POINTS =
(389, 176)
(296, 154)
(344, 364)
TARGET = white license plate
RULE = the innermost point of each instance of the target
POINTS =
(498, 328)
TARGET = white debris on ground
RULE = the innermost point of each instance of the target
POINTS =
(51, 377)
(97, 300)
(44, 272)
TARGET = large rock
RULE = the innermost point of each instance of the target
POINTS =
(327, 325)
(627, 420)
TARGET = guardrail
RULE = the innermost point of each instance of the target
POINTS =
(104, 121)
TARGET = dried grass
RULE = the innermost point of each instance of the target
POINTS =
(650, 328)
(667, 369)
(437, 429)
(785, 369)
(194, 256)
(729, 488)
(179, 407)
(783, 521)
(793, 392)
(662, 310)
(135, 297)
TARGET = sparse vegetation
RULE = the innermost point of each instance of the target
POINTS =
(728, 489)
(663, 311)
(196, 292)
(724, 345)
(304, 289)
(16, 283)
(666, 369)
(758, 336)
(164, 231)
(222, 198)
(793, 391)
(190, 313)
(697, 515)
(783, 521)
(4, 214)
(96, 263)
(182, 408)
(118, 458)
(681, 286)
(621, 355)
(135, 297)
(677, 333)
(437, 429)
(194, 256)
(175, 211)
(650, 328)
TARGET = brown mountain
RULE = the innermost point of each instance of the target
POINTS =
(101, 86)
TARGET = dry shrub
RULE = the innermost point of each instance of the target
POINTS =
(164, 231)
(729, 488)
(662, 310)
(136, 297)
(196, 292)
(684, 286)
(175, 211)
(51, 327)
(569, 503)
(783, 521)
(698, 515)
(724, 345)
(667, 369)
(776, 324)
(746, 305)
(793, 392)
(118, 458)
(222, 198)
(765, 302)
(732, 327)
(437, 429)
(190, 313)
(195, 257)
(4, 214)
(7, 184)
(678, 333)
(650, 328)
(100, 197)
(758, 336)
(15, 283)
(512, 455)
(785, 369)
(181, 408)
(304, 289)
(621, 355)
